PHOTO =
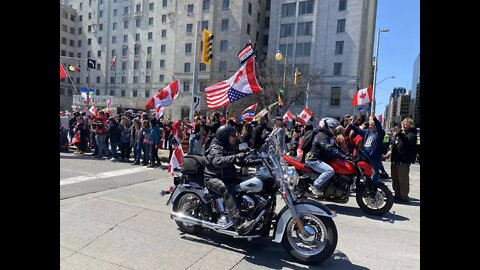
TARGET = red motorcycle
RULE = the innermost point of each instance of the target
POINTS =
(373, 198)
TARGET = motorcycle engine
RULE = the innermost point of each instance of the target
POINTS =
(248, 203)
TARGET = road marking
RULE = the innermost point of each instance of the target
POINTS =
(75, 171)
(77, 179)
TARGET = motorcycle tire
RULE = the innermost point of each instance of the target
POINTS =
(178, 206)
(360, 195)
(331, 236)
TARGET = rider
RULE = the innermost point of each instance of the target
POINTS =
(221, 174)
(323, 150)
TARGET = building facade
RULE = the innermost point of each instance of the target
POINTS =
(333, 38)
(154, 44)
(399, 107)
(416, 91)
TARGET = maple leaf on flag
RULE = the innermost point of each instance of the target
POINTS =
(363, 95)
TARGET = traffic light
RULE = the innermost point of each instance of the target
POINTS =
(207, 47)
(298, 76)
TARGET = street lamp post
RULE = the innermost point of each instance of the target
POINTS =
(376, 66)
(391, 77)
(279, 57)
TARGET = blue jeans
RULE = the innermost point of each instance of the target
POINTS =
(138, 151)
(146, 152)
(113, 148)
(377, 165)
(191, 145)
(325, 170)
(102, 147)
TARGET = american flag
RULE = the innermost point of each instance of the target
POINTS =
(243, 83)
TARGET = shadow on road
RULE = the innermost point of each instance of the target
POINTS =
(264, 252)
(412, 202)
(357, 212)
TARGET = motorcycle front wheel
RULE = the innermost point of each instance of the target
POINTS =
(189, 204)
(316, 248)
(375, 202)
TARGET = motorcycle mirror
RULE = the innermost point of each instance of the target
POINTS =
(243, 146)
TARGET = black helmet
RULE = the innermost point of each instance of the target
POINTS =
(224, 132)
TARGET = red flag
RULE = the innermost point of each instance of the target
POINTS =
(165, 97)
(159, 112)
(305, 116)
(63, 74)
(288, 117)
(243, 83)
(176, 160)
(363, 96)
(249, 112)
(177, 131)
(379, 118)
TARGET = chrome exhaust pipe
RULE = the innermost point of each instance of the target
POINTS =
(178, 216)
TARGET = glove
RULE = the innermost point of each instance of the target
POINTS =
(241, 156)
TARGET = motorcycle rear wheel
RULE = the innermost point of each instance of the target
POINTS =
(186, 201)
(374, 204)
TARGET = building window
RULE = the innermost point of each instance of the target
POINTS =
(248, 28)
(250, 8)
(135, 64)
(70, 54)
(100, 39)
(341, 26)
(65, 15)
(99, 53)
(267, 22)
(100, 14)
(206, 5)
(186, 86)
(114, 39)
(286, 30)
(226, 4)
(137, 37)
(89, 15)
(203, 85)
(124, 80)
(124, 65)
(151, 6)
(98, 79)
(339, 47)
(112, 92)
(150, 21)
(64, 28)
(89, 3)
(80, 31)
(305, 7)
(89, 54)
(64, 41)
(265, 40)
(72, 18)
(205, 24)
(188, 48)
(114, 26)
(189, 28)
(304, 29)
(223, 45)
(163, 49)
(164, 33)
(100, 27)
(162, 64)
(125, 25)
(138, 7)
(125, 38)
(115, 13)
(97, 92)
(112, 80)
(147, 92)
(190, 8)
(164, 3)
(135, 80)
(150, 35)
(123, 93)
(99, 67)
(225, 25)
(124, 51)
(256, 36)
(72, 30)
(164, 18)
(149, 64)
(72, 43)
(114, 52)
(161, 78)
(186, 67)
(337, 69)
(149, 50)
(203, 67)
(125, 10)
(303, 49)
(147, 80)
(223, 66)
(80, 18)
(342, 5)
(283, 49)
(79, 55)
(136, 51)
(288, 10)
(335, 96)
(138, 23)
(135, 92)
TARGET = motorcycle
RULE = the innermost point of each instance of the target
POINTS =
(373, 198)
(305, 228)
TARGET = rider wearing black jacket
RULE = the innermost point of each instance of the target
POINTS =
(221, 174)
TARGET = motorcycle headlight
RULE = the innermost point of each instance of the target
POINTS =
(292, 178)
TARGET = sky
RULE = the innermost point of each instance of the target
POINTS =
(398, 48)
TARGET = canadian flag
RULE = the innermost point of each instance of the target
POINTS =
(93, 110)
(165, 97)
(379, 118)
(109, 102)
(176, 160)
(363, 96)
(177, 131)
(305, 116)
(288, 117)
(63, 74)
(114, 61)
(159, 112)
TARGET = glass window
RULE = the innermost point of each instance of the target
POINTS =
(190, 8)
(162, 64)
(203, 67)
(267, 22)
(138, 23)
(161, 78)
(123, 91)
(150, 35)
(248, 28)
(186, 67)
(149, 50)
(150, 21)
(135, 92)
(114, 39)
(188, 48)
(149, 64)
(286, 29)
(164, 18)
(305, 7)
(337, 69)
(288, 10)
(339, 47)
(250, 8)
(164, 3)
(137, 37)
(100, 39)
(147, 92)
(340, 25)
(226, 4)
(151, 6)
(225, 25)
(304, 29)
(223, 45)
(125, 25)
(189, 28)
(284, 51)
(335, 96)
(164, 33)
(186, 86)
(114, 26)
(206, 5)
(342, 5)
(205, 24)
(303, 49)
(223, 66)
(163, 48)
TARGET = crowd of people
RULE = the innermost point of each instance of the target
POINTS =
(137, 137)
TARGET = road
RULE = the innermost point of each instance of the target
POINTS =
(112, 217)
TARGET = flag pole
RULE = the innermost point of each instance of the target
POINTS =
(76, 91)
(115, 75)
(195, 70)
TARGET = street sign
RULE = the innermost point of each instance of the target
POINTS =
(367, 109)
(196, 103)
(100, 101)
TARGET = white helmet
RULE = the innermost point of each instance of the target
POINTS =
(328, 123)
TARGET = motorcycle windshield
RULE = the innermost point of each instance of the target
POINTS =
(272, 152)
